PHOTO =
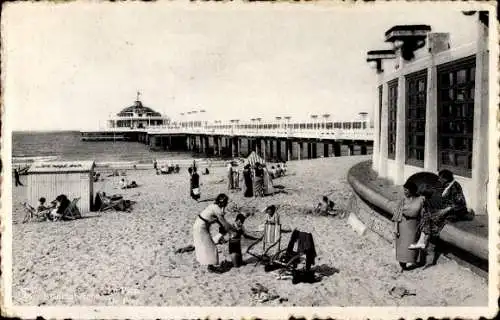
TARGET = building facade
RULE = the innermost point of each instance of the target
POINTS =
(432, 114)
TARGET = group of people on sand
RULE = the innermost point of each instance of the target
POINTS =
(418, 219)
(231, 233)
(56, 210)
(259, 180)
(166, 168)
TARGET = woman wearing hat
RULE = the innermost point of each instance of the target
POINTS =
(205, 248)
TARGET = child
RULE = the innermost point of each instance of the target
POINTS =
(235, 240)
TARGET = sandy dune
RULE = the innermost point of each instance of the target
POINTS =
(122, 258)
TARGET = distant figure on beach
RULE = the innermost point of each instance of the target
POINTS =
(230, 184)
(205, 248)
(155, 164)
(235, 240)
(206, 172)
(194, 184)
(16, 178)
(123, 183)
(259, 180)
(406, 220)
(177, 168)
(247, 176)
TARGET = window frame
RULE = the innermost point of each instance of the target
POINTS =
(466, 118)
(392, 109)
(412, 97)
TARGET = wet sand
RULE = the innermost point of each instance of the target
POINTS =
(128, 258)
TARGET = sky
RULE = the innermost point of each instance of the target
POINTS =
(70, 66)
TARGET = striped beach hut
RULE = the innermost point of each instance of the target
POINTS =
(50, 179)
(254, 158)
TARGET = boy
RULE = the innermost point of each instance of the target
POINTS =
(235, 240)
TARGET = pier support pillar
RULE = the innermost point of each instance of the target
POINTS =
(301, 151)
(326, 147)
(351, 149)
(337, 149)
(271, 150)
(288, 150)
(314, 150)
(278, 149)
(364, 149)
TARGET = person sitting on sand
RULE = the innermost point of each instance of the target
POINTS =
(123, 183)
(235, 240)
(177, 168)
(163, 169)
(61, 204)
(43, 208)
(326, 206)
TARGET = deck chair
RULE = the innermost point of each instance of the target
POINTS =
(271, 242)
(104, 203)
(72, 212)
(31, 213)
(289, 259)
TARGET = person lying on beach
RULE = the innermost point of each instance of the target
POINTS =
(125, 185)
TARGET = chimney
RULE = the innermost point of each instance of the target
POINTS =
(438, 42)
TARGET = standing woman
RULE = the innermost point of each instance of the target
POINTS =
(259, 180)
(195, 184)
(406, 220)
(247, 176)
(205, 248)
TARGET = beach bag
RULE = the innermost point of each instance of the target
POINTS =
(196, 191)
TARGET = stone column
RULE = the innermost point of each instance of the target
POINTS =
(377, 123)
(400, 156)
(480, 144)
(351, 149)
(431, 119)
(384, 144)
(314, 150)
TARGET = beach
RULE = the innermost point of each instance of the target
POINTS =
(128, 258)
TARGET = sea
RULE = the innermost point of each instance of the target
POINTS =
(68, 146)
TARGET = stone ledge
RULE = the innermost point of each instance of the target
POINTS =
(475, 244)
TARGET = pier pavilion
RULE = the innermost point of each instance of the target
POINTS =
(432, 107)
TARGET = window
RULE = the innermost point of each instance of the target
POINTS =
(392, 108)
(416, 95)
(337, 125)
(329, 125)
(456, 116)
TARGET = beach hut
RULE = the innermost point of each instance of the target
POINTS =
(50, 179)
(254, 158)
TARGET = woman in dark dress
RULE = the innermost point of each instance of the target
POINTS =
(195, 184)
(259, 180)
(247, 176)
(453, 208)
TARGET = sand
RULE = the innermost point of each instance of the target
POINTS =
(128, 258)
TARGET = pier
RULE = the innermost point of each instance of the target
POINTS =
(272, 141)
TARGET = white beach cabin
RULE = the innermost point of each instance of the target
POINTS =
(50, 179)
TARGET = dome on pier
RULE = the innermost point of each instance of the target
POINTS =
(138, 108)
